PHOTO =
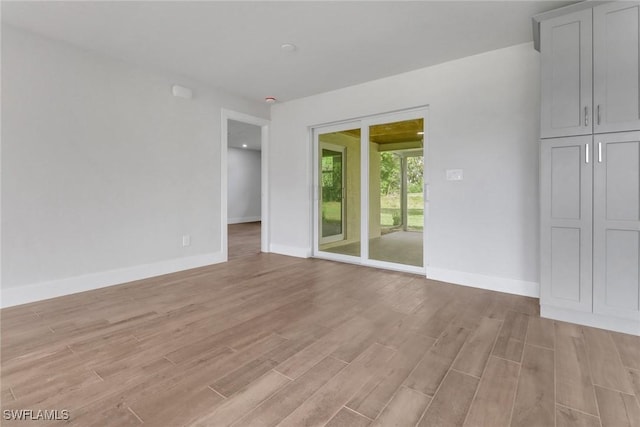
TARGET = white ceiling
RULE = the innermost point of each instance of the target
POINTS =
(236, 45)
(239, 133)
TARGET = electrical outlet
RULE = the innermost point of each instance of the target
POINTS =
(454, 174)
(186, 240)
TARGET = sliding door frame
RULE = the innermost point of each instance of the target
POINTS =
(363, 124)
(317, 218)
(417, 113)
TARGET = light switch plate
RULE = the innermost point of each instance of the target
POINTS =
(454, 174)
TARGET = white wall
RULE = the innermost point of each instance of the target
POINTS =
(244, 185)
(484, 119)
(103, 170)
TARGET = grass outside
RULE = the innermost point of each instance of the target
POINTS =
(389, 205)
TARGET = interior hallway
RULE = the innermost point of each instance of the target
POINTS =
(269, 340)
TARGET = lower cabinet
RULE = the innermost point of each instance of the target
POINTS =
(616, 225)
(590, 229)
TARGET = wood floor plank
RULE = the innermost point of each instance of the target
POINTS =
(617, 409)
(510, 342)
(629, 349)
(451, 403)
(475, 353)
(606, 368)
(436, 324)
(494, 399)
(236, 380)
(285, 401)
(372, 398)
(347, 418)
(541, 332)
(244, 401)
(327, 401)
(567, 417)
(184, 407)
(115, 417)
(535, 400)
(405, 409)
(431, 370)
(634, 375)
(314, 353)
(352, 348)
(574, 387)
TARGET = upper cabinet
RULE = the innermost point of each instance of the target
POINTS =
(590, 71)
(616, 71)
(566, 51)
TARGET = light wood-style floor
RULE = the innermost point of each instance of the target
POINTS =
(269, 340)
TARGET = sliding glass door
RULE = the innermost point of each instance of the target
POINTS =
(337, 183)
(369, 177)
(396, 185)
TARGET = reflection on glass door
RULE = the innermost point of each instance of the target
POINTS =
(396, 199)
(339, 188)
(332, 192)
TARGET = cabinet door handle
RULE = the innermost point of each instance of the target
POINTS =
(586, 115)
(598, 113)
(599, 152)
(586, 153)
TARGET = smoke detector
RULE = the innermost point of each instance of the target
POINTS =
(288, 47)
(270, 99)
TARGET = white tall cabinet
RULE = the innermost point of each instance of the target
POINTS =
(590, 166)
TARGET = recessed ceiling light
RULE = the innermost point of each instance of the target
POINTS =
(244, 145)
(288, 47)
(421, 133)
(270, 99)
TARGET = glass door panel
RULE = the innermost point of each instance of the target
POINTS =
(332, 192)
(339, 188)
(396, 185)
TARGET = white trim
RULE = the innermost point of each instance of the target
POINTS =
(500, 284)
(264, 161)
(386, 265)
(243, 219)
(71, 285)
(290, 251)
(595, 320)
(334, 256)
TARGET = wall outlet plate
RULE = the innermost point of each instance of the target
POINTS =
(454, 174)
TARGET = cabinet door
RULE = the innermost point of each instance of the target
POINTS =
(616, 226)
(566, 52)
(566, 222)
(616, 71)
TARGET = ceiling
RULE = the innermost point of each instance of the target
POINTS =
(239, 134)
(236, 45)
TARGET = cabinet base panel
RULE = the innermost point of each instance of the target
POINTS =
(625, 326)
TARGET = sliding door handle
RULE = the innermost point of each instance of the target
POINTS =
(598, 113)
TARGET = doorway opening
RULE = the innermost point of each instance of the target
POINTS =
(244, 188)
(244, 185)
(371, 181)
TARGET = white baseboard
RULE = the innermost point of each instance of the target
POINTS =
(595, 320)
(244, 219)
(290, 251)
(40, 291)
(500, 284)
